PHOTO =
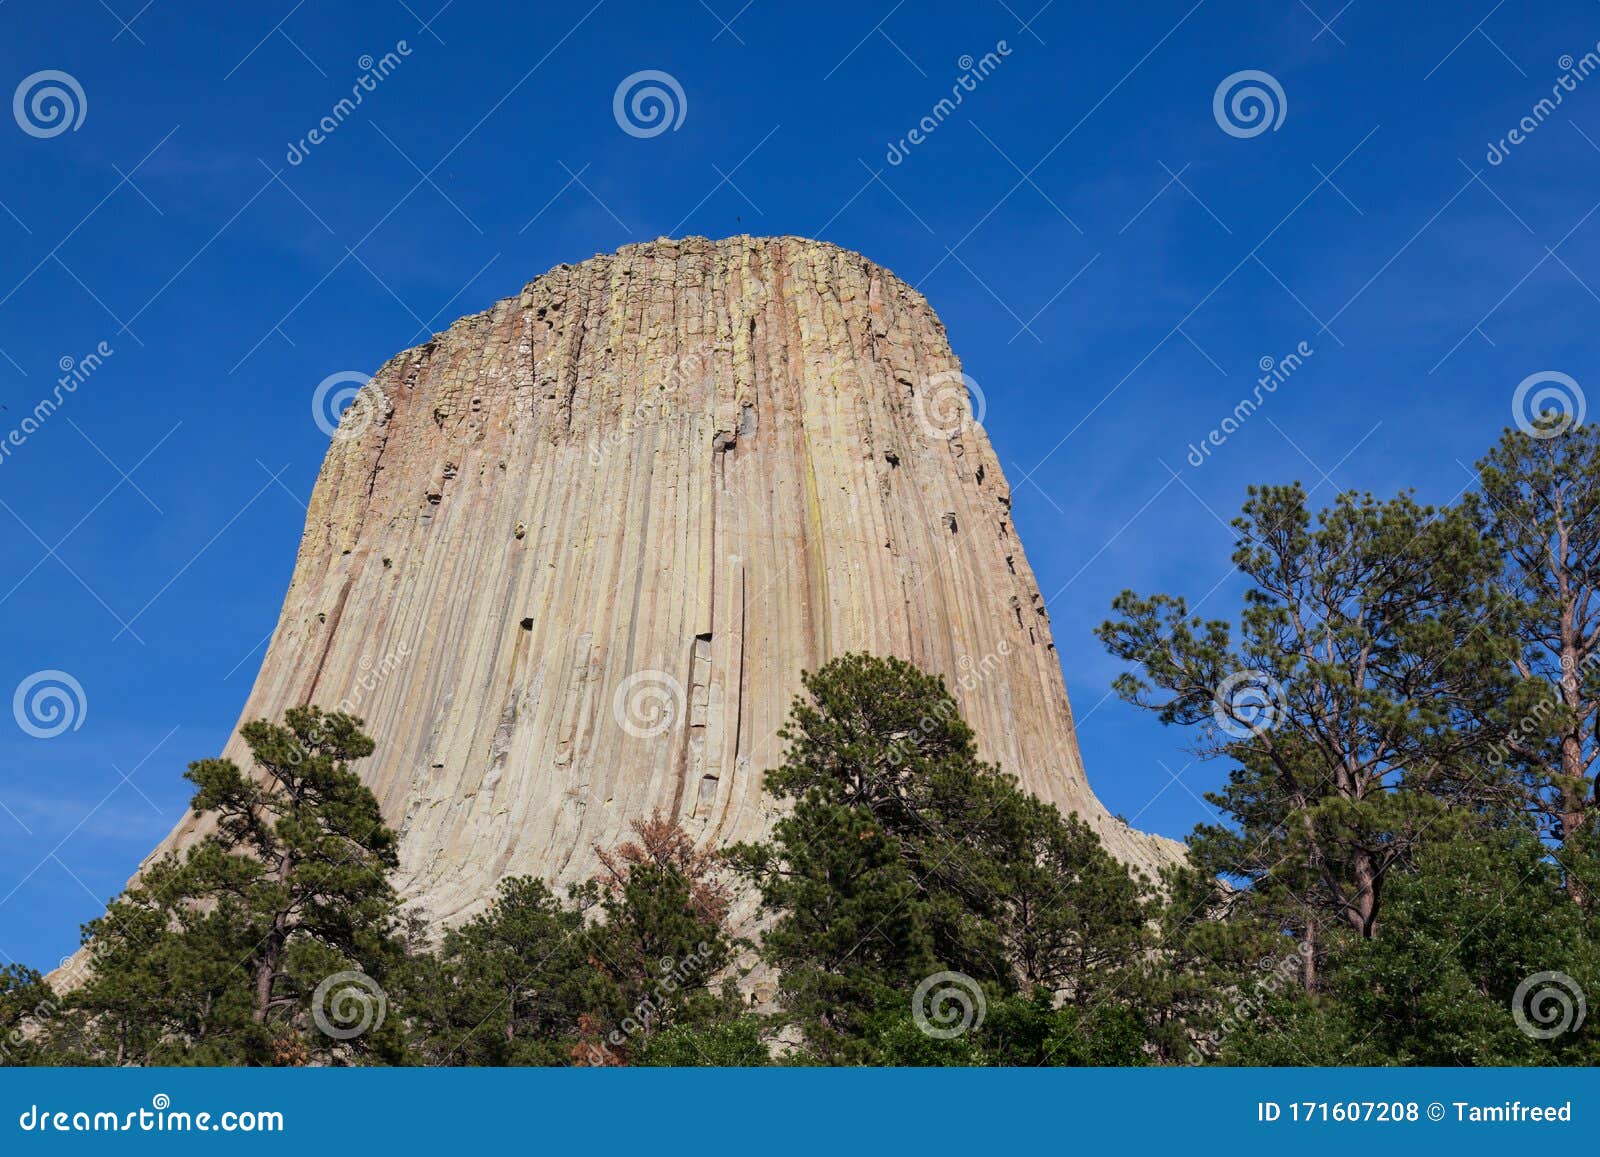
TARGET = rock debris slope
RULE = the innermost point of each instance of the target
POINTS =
(569, 558)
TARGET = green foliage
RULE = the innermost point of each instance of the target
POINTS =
(1384, 879)
(1404, 870)
(1016, 1031)
(737, 1042)
(1369, 676)
(903, 855)
(27, 1006)
(215, 956)
(660, 943)
(1539, 501)
(506, 988)
(1473, 918)
(627, 970)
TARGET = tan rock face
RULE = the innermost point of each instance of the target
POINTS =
(569, 559)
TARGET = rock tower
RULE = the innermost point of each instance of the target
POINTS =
(569, 558)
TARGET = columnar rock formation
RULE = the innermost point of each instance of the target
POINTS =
(569, 558)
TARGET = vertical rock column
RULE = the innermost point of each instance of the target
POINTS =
(569, 558)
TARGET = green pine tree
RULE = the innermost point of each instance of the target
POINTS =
(660, 948)
(509, 987)
(27, 1005)
(630, 969)
(1370, 674)
(903, 855)
(1539, 502)
(1474, 917)
(267, 942)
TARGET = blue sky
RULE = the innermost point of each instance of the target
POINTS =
(1111, 264)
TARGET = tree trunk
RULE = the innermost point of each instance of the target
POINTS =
(1363, 909)
(272, 950)
(1574, 773)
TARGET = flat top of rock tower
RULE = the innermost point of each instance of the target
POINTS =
(677, 246)
(672, 250)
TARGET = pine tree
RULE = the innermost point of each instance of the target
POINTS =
(1370, 675)
(659, 945)
(267, 941)
(1539, 502)
(27, 1006)
(506, 988)
(1478, 933)
(904, 856)
(637, 953)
